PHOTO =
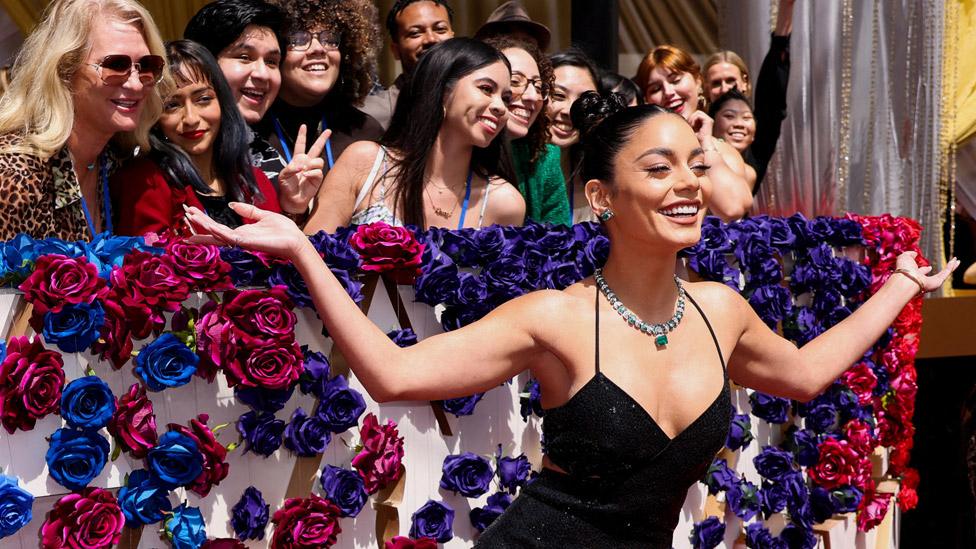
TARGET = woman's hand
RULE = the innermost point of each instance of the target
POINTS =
(300, 180)
(702, 124)
(272, 233)
(906, 266)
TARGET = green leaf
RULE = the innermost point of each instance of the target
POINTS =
(116, 452)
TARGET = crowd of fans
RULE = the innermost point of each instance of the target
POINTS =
(103, 127)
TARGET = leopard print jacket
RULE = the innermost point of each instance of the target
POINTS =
(39, 197)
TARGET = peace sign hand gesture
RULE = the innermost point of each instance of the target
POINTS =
(300, 180)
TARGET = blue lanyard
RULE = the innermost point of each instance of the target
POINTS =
(106, 201)
(467, 198)
(287, 151)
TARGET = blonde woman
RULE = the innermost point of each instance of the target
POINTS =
(86, 75)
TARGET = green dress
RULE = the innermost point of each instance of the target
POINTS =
(543, 187)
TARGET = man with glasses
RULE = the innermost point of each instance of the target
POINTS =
(414, 26)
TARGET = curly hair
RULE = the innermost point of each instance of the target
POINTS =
(538, 134)
(357, 23)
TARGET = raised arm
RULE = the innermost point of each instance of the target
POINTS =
(770, 92)
(731, 194)
(458, 363)
(765, 361)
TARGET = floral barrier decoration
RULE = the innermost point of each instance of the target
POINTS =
(102, 296)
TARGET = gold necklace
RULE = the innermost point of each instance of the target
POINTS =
(437, 209)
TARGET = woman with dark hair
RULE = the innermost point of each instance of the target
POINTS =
(635, 410)
(536, 161)
(736, 125)
(198, 155)
(443, 162)
(613, 82)
(575, 74)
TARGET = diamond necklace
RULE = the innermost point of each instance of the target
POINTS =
(659, 331)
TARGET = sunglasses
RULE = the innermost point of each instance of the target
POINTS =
(114, 70)
(301, 40)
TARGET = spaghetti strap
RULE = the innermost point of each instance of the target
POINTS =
(484, 203)
(710, 330)
(596, 309)
(371, 178)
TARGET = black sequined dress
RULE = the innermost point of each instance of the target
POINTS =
(627, 479)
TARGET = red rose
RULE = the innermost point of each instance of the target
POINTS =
(200, 265)
(379, 461)
(215, 468)
(149, 286)
(214, 340)
(223, 543)
(899, 457)
(401, 542)
(275, 366)
(260, 316)
(58, 281)
(874, 506)
(836, 465)
(908, 494)
(31, 379)
(861, 380)
(386, 249)
(115, 342)
(305, 522)
(134, 424)
(860, 436)
(88, 519)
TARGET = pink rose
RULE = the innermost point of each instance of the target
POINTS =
(386, 249)
(275, 366)
(872, 511)
(861, 380)
(31, 380)
(88, 519)
(214, 340)
(115, 341)
(223, 543)
(401, 542)
(200, 265)
(148, 286)
(836, 465)
(860, 436)
(58, 281)
(260, 316)
(379, 461)
(134, 424)
(311, 522)
(215, 467)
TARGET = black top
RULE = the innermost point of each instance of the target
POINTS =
(770, 106)
(218, 208)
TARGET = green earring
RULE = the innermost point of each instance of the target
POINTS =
(605, 215)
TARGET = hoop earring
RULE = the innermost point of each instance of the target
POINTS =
(701, 99)
(605, 215)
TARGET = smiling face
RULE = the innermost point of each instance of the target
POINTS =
(101, 109)
(735, 124)
(476, 109)
(571, 82)
(419, 26)
(722, 77)
(252, 68)
(659, 186)
(673, 90)
(527, 103)
(191, 117)
(308, 76)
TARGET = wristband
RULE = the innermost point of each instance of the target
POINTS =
(913, 277)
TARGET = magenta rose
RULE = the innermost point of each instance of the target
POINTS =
(837, 465)
(58, 281)
(861, 380)
(215, 343)
(310, 522)
(379, 461)
(147, 286)
(134, 424)
(874, 506)
(115, 341)
(200, 265)
(31, 380)
(386, 249)
(223, 543)
(275, 366)
(88, 519)
(260, 316)
(402, 542)
(860, 436)
(215, 466)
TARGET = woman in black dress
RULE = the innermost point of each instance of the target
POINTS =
(636, 410)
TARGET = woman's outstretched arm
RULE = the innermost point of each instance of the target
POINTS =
(459, 363)
(765, 361)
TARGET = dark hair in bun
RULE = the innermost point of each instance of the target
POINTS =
(606, 124)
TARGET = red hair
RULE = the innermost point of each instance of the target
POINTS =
(672, 58)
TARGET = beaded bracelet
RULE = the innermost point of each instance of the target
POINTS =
(914, 278)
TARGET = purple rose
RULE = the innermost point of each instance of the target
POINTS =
(708, 533)
(715, 236)
(437, 283)
(249, 516)
(340, 406)
(562, 276)
(854, 277)
(530, 400)
(769, 408)
(772, 303)
(353, 287)
(556, 240)
(433, 520)
(719, 477)
(772, 498)
(773, 463)
(765, 271)
(336, 250)
(821, 228)
(505, 277)
(740, 432)
(781, 234)
(345, 489)
(802, 326)
(593, 254)
(798, 537)
(512, 471)
(819, 416)
(804, 278)
(459, 246)
(759, 537)
(488, 243)
(288, 276)
(825, 300)
(462, 406)
(261, 433)
(245, 268)
(261, 399)
(403, 338)
(847, 232)
(805, 445)
(315, 379)
(743, 499)
(472, 290)
(307, 436)
(466, 474)
(482, 517)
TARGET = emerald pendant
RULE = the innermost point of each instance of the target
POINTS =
(661, 340)
(658, 331)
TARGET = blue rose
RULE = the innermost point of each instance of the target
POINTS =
(307, 436)
(772, 498)
(87, 403)
(345, 489)
(403, 338)
(719, 477)
(798, 537)
(472, 290)
(175, 460)
(773, 463)
(18, 255)
(743, 499)
(433, 520)
(288, 276)
(75, 458)
(143, 499)
(530, 400)
(250, 514)
(437, 283)
(50, 246)
(15, 506)
(107, 251)
(166, 362)
(245, 268)
(261, 432)
(262, 399)
(512, 472)
(462, 406)
(466, 474)
(708, 533)
(340, 406)
(759, 537)
(185, 528)
(740, 432)
(769, 408)
(75, 327)
(482, 517)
